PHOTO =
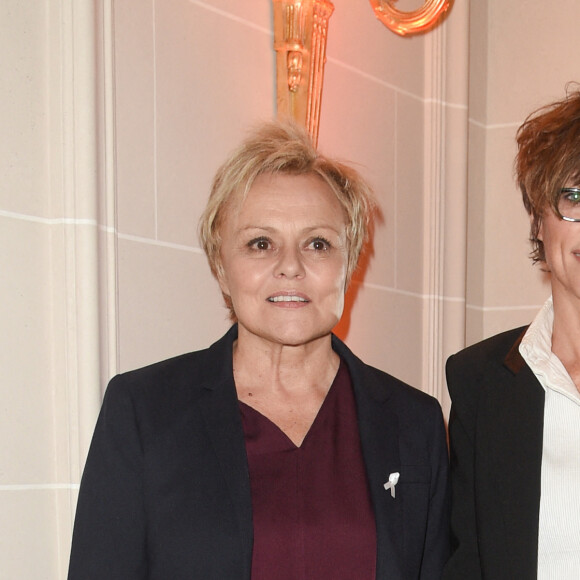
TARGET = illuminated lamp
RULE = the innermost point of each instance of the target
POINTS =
(300, 32)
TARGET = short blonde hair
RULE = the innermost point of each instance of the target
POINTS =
(284, 147)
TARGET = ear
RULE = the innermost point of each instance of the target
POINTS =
(223, 281)
(541, 230)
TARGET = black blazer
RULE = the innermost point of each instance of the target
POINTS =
(166, 493)
(496, 429)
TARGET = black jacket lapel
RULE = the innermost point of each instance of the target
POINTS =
(379, 434)
(219, 406)
(515, 440)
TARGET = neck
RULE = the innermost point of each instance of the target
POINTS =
(261, 365)
(566, 335)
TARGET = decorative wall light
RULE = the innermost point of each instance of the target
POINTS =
(409, 22)
(300, 31)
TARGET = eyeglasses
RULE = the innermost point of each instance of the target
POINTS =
(569, 204)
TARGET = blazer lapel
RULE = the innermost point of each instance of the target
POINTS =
(379, 434)
(219, 406)
(515, 439)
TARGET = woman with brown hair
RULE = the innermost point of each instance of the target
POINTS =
(515, 416)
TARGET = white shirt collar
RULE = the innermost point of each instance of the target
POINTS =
(536, 349)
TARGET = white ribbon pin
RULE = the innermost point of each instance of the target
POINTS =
(393, 480)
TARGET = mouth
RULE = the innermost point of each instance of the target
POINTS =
(288, 298)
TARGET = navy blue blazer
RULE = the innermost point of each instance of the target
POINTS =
(496, 433)
(166, 493)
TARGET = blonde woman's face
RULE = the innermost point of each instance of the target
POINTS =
(284, 255)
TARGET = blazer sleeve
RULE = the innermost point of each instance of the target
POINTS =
(109, 532)
(464, 562)
(436, 549)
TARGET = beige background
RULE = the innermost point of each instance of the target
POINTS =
(113, 119)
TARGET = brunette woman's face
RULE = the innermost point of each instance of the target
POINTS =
(562, 251)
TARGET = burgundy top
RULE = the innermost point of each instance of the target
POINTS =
(313, 518)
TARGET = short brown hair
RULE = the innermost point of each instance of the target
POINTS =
(284, 147)
(548, 157)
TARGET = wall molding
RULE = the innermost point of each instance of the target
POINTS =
(83, 224)
(445, 197)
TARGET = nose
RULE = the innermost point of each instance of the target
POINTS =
(290, 263)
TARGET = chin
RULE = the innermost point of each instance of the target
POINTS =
(300, 337)
(287, 331)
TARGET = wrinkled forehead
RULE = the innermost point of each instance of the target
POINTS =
(237, 197)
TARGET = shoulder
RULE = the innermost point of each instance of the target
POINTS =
(381, 386)
(163, 371)
(399, 391)
(495, 348)
(175, 378)
(476, 363)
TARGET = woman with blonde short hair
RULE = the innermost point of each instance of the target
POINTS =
(276, 452)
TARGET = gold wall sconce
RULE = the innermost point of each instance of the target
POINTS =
(413, 22)
(300, 33)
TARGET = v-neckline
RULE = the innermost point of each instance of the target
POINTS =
(275, 428)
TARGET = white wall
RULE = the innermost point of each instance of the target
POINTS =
(114, 118)
(28, 497)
